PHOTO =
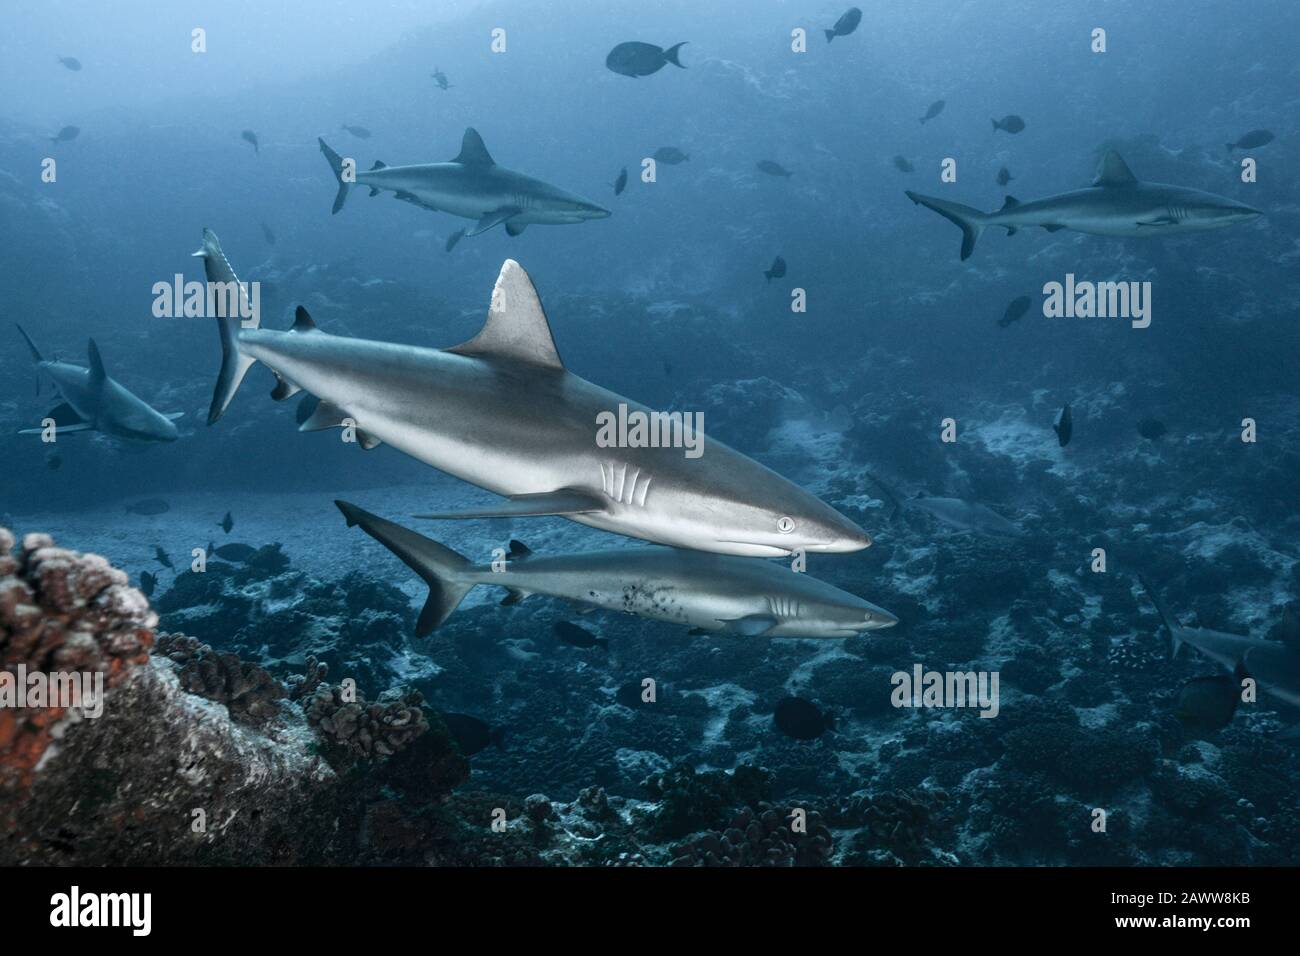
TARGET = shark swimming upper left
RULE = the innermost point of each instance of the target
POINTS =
(471, 186)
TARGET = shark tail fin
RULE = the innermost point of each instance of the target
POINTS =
(1175, 642)
(336, 164)
(234, 363)
(970, 221)
(671, 54)
(440, 567)
(36, 353)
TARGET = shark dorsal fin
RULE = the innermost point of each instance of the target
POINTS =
(1113, 171)
(516, 326)
(302, 321)
(1011, 203)
(97, 373)
(472, 150)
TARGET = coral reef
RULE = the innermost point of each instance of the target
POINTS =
(357, 729)
(249, 691)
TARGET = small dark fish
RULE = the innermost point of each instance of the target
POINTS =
(1151, 428)
(903, 166)
(1016, 310)
(471, 734)
(935, 109)
(71, 62)
(621, 183)
(360, 132)
(846, 24)
(1208, 703)
(234, 552)
(641, 59)
(801, 719)
(54, 462)
(226, 523)
(1004, 176)
(773, 168)
(1064, 426)
(148, 581)
(268, 235)
(1256, 137)
(148, 506)
(670, 155)
(161, 557)
(454, 238)
(66, 135)
(440, 78)
(248, 136)
(777, 271)
(570, 633)
(1009, 124)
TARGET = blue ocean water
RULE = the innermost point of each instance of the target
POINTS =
(881, 365)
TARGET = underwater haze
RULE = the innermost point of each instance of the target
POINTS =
(973, 536)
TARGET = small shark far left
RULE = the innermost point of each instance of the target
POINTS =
(1116, 204)
(93, 401)
(471, 186)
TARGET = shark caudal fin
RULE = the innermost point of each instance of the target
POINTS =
(970, 221)
(440, 567)
(336, 164)
(1175, 642)
(224, 286)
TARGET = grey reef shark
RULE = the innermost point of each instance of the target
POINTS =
(471, 186)
(1274, 666)
(708, 593)
(1116, 204)
(502, 412)
(95, 401)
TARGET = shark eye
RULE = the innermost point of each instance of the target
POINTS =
(785, 524)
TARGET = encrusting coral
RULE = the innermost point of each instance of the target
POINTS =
(249, 691)
(61, 612)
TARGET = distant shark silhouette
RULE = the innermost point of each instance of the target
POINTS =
(93, 401)
(471, 186)
(1117, 204)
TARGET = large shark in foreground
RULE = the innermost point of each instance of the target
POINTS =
(501, 411)
(94, 401)
(1117, 204)
(1274, 666)
(474, 187)
(706, 592)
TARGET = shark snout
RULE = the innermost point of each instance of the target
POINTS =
(877, 618)
(839, 536)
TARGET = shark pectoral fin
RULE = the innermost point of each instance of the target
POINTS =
(514, 596)
(1053, 227)
(751, 625)
(515, 229)
(490, 219)
(284, 389)
(326, 415)
(172, 416)
(565, 501)
(60, 429)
